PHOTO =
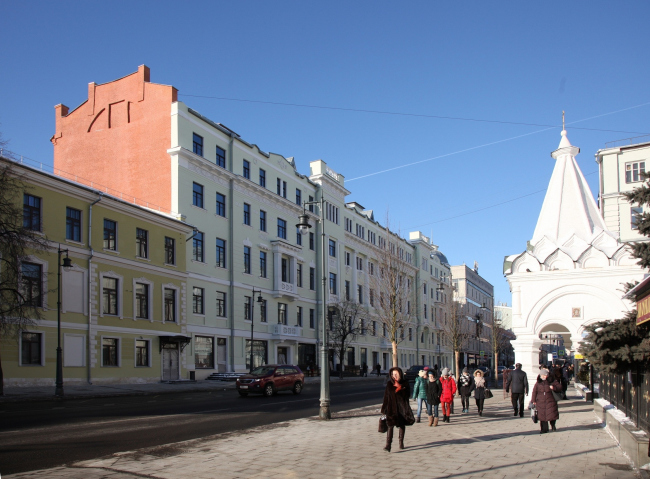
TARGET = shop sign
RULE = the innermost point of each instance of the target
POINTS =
(643, 310)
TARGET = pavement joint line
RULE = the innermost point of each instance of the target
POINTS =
(110, 469)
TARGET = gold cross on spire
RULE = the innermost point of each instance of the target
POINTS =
(563, 119)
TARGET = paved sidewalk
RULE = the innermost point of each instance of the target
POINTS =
(74, 391)
(496, 445)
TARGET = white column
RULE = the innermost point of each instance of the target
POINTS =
(353, 287)
(527, 353)
(277, 270)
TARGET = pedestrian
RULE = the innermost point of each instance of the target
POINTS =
(518, 381)
(396, 406)
(434, 390)
(479, 391)
(420, 392)
(447, 396)
(559, 377)
(364, 370)
(465, 387)
(544, 400)
(378, 369)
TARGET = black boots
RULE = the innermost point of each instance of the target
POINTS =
(516, 413)
(402, 430)
(417, 419)
(389, 439)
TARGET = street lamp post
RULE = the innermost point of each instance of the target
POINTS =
(304, 226)
(252, 314)
(67, 264)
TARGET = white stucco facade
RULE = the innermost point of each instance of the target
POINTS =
(573, 270)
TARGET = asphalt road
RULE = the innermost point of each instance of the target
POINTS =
(37, 435)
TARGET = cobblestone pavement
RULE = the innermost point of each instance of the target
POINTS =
(496, 445)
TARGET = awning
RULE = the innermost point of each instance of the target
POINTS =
(178, 339)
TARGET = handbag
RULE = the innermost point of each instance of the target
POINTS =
(383, 427)
(533, 414)
(488, 394)
(558, 396)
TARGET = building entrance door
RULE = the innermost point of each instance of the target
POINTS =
(170, 362)
(283, 354)
(221, 355)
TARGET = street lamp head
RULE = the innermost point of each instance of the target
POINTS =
(303, 224)
(67, 263)
(260, 299)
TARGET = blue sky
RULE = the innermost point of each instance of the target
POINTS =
(509, 61)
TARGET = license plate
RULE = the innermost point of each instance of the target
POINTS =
(243, 387)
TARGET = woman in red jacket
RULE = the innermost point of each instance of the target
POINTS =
(447, 396)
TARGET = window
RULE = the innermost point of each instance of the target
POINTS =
(311, 241)
(281, 188)
(263, 317)
(299, 316)
(247, 308)
(410, 334)
(425, 288)
(221, 304)
(247, 214)
(221, 205)
(425, 311)
(221, 157)
(262, 178)
(298, 237)
(32, 282)
(332, 283)
(197, 247)
(360, 294)
(332, 248)
(221, 253)
(247, 170)
(110, 235)
(141, 243)
(360, 264)
(384, 331)
(374, 328)
(260, 353)
(170, 250)
(633, 171)
(347, 290)
(247, 259)
(332, 213)
(278, 186)
(197, 195)
(311, 207)
(371, 297)
(348, 225)
(109, 352)
(141, 353)
(170, 305)
(298, 197)
(30, 345)
(109, 295)
(347, 258)
(282, 228)
(262, 220)
(282, 313)
(299, 275)
(284, 270)
(284, 189)
(635, 212)
(197, 144)
(73, 224)
(263, 264)
(372, 269)
(312, 319)
(203, 352)
(197, 300)
(312, 279)
(141, 301)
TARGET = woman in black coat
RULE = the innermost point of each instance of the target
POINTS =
(434, 390)
(544, 400)
(396, 406)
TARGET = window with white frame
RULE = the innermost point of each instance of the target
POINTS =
(142, 353)
(634, 171)
(110, 352)
(142, 304)
(31, 349)
(170, 303)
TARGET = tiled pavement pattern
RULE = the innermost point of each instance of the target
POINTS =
(496, 445)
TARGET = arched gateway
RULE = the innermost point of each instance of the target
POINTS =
(573, 270)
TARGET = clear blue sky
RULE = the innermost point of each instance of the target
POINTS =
(508, 61)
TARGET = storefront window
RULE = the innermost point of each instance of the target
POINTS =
(204, 352)
(260, 353)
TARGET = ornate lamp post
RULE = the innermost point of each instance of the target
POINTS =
(67, 264)
(252, 311)
(304, 226)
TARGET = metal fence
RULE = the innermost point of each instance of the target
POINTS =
(629, 393)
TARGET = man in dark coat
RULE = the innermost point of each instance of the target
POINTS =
(544, 400)
(518, 381)
(396, 406)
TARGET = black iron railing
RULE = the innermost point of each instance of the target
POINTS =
(629, 393)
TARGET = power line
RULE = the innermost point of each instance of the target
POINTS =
(396, 113)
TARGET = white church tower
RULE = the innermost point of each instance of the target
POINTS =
(573, 269)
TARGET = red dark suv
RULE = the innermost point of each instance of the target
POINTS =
(270, 379)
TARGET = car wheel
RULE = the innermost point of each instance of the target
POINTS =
(243, 393)
(269, 390)
(297, 388)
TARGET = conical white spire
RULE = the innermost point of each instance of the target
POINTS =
(569, 208)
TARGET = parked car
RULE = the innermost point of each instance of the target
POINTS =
(270, 379)
(412, 372)
(486, 371)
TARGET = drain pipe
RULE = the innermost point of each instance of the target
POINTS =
(90, 281)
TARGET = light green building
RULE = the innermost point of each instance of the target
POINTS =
(123, 316)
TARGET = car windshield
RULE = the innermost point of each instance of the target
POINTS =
(263, 371)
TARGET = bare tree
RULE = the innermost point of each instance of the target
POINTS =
(19, 309)
(392, 284)
(348, 320)
(498, 341)
(455, 328)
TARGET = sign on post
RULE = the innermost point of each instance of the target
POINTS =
(550, 357)
(554, 353)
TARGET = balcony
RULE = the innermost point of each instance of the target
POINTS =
(285, 332)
